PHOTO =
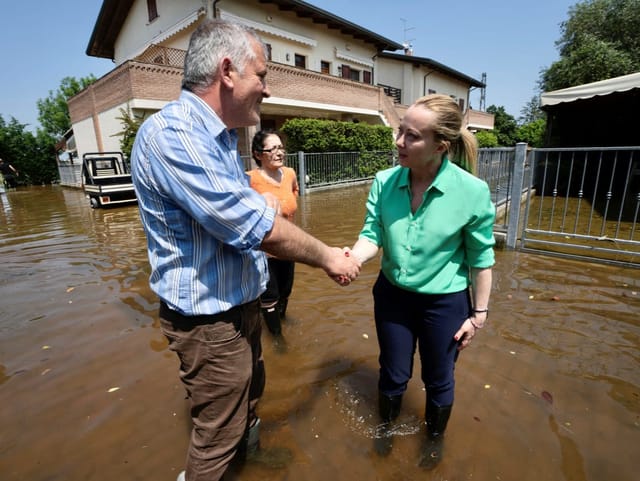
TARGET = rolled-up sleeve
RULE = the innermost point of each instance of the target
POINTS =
(478, 233)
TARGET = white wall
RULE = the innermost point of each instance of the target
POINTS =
(138, 33)
(417, 81)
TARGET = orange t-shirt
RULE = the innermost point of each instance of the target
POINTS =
(286, 190)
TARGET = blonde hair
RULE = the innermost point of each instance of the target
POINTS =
(462, 145)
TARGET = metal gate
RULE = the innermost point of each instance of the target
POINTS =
(577, 202)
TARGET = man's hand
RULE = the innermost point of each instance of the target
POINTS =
(342, 267)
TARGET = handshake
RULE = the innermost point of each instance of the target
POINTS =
(347, 268)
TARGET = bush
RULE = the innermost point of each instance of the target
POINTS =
(315, 135)
(486, 139)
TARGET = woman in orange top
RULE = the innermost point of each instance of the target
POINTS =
(274, 178)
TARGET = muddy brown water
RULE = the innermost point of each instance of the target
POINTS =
(549, 390)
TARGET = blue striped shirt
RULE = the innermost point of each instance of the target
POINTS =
(203, 221)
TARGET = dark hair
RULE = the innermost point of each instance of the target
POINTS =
(257, 144)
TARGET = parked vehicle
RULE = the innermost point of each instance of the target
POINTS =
(106, 179)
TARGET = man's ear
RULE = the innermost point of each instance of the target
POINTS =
(226, 67)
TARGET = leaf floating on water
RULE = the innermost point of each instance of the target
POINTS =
(555, 298)
(476, 418)
(487, 386)
(70, 289)
(546, 395)
(530, 297)
(46, 347)
(113, 389)
(44, 372)
(365, 335)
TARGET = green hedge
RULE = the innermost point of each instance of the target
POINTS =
(314, 135)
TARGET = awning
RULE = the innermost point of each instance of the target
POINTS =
(586, 91)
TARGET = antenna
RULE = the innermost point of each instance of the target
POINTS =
(406, 43)
(483, 92)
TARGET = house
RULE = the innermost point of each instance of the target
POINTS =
(320, 66)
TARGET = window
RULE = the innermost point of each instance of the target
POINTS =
(355, 75)
(346, 71)
(268, 46)
(431, 91)
(300, 61)
(366, 77)
(325, 67)
(152, 8)
(461, 104)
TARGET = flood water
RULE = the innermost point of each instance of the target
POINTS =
(549, 390)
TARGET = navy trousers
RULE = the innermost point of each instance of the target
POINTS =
(404, 319)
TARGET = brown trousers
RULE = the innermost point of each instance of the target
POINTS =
(222, 369)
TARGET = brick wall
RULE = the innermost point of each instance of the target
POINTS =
(131, 80)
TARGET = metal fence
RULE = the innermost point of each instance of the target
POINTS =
(579, 202)
(333, 169)
(586, 204)
(70, 174)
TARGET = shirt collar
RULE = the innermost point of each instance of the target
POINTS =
(445, 177)
(210, 118)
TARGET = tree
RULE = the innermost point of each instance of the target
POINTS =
(600, 40)
(130, 126)
(532, 133)
(504, 126)
(32, 155)
(53, 112)
(531, 111)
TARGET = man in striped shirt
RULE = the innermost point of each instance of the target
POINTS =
(206, 232)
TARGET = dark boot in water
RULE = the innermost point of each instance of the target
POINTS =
(436, 420)
(272, 320)
(389, 409)
(250, 451)
(282, 307)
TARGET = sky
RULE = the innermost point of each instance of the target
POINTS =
(509, 40)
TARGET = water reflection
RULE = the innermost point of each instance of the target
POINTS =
(90, 391)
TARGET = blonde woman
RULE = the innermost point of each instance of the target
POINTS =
(434, 223)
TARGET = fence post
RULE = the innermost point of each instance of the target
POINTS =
(517, 184)
(302, 173)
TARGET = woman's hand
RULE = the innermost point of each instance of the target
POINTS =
(467, 332)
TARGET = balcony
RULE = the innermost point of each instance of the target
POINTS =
(478, 120)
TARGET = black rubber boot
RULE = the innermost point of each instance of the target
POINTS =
(282, 307)
(389, 409)
(437, 418)
(250, 451)
(250, 443)
(272, 319)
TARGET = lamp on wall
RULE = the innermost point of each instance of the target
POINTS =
(288, 57)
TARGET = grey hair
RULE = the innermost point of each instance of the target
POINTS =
(209, 44)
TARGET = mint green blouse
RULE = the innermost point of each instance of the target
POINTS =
(431, 251)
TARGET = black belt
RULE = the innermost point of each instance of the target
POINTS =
(182, 321)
